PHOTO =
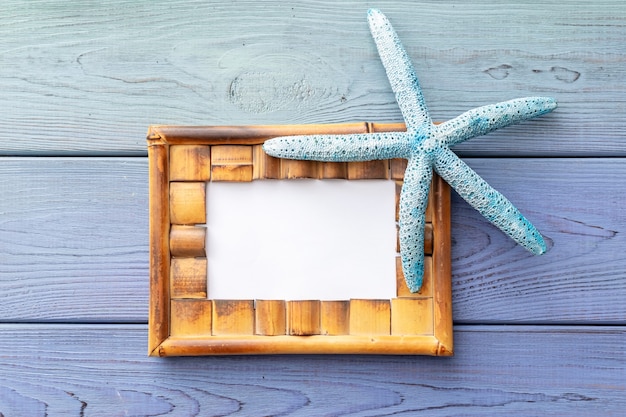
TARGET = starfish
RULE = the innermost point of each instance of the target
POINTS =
(426, 146)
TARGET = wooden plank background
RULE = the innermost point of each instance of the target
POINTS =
(81, 81)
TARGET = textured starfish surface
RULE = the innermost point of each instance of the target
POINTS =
(426, 147)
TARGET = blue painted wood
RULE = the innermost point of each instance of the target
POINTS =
(74, 238)
(74, 370)
(86, 79)
(578, 204)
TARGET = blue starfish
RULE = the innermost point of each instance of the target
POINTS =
(426, 147)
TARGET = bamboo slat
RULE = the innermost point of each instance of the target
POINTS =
(412, 316)
(370, 317)
(430, 207)
(442, 292)
(397, 201)
(246, 135)
(386, 127)
(159, 253)
(188, 241)
(369, 344)
(187, 202)
(190, 163)
(270, 317)
(292, 169)
(335, 318)
(368, 170)
(334, 170)
(396, 169)
(263, 165)
(428, 238)
(303, 317)
(233, 317)
(188, 278)
(190, 317)
(231, 163)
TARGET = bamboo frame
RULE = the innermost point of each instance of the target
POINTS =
(183, 321)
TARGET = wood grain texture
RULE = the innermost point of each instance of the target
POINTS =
(233, 317)
(188, 241)
(82, 78)
(303, 317)
(191, 317)
(411, 316)
(335, 318)
(188, 278)
(263, 165)
(231, 163)
(74, 238)
(187, 202)
(159, 252)
(270, 317)
(578, 205)
(86, 78)
(190, 163)
(75, 370)
(370, 317)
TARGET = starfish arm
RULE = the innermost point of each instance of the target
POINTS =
(413, 200)
(340, 148)
(399, 70)
(485, 119)
(489, 202)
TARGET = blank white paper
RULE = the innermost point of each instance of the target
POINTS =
(301, 239)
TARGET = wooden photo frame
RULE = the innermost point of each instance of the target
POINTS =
(184, 321)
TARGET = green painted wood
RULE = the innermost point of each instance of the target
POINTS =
(85, 78)
(95, 370)
(74, 239)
